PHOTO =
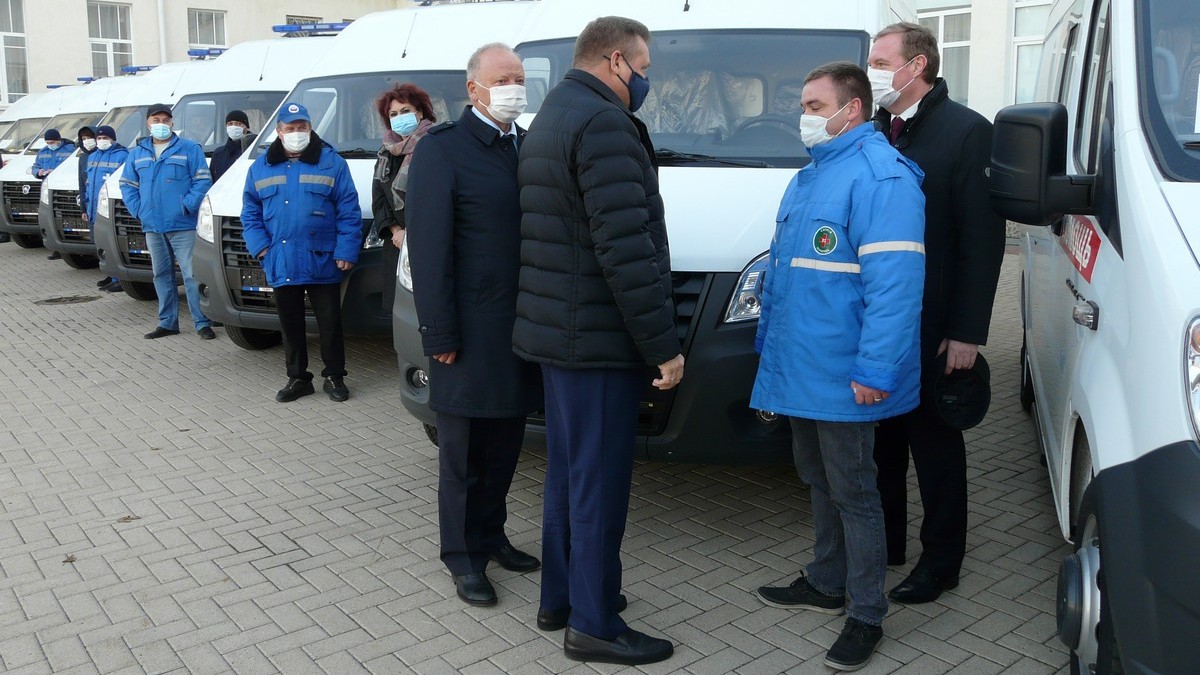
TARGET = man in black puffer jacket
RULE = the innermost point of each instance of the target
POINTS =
(594, 309)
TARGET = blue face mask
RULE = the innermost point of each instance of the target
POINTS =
(639, 87)
(160, 132)
(404, 123)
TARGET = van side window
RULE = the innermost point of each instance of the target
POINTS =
(1066, 83)
(1092, 97)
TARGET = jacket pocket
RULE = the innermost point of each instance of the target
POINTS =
(271, 200)
(321, 246)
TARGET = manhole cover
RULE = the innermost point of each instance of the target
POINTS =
(68, 300)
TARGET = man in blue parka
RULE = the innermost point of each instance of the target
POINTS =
(839, 342)
(98, 165)
(163, 183)
(301, 220)
(55, 152)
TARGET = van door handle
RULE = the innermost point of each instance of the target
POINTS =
(1085, 312)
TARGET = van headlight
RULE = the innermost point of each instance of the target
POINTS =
(746, 303)
(102, 205)
(403, 270)
(1192, 366)
(45, 195)
(204, 221)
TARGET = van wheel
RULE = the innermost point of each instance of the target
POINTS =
(431, 433)
(28, 240)
(253, 338)
(1081, 475)
(1026, 380)
(80, 261)
(1084, 617)
(139, 290)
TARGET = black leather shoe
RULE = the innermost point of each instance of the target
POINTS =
(112, 287)
(336, 388)
(921, 586)
(475, 589)
(631, 648)
(294, 389)
(895, 560)
(54, 256)
(515, 561)
(854, 646)
(206, 333)
(104, 282)
(551, 620)
(160, 332)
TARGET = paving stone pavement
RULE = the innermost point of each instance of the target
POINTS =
(160, 513)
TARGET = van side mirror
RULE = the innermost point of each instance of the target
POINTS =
(1029, 161)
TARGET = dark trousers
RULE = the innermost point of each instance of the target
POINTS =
(476, 460)
(326, 301)
(591, 427)
(940, 456)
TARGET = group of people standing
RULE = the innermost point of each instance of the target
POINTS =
(541, 278)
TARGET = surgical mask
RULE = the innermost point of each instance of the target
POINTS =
(160, 132)
(296, 141)
(89, 144)
(103, 144)
(638, 86)
(405, 123)
(812, 128)
(881, 85)
(235, 132)
(54, 145)
(508, 101)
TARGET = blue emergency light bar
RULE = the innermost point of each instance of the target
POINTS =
(85, 79)
(310, 27)
(203, 52)
(131, 70)
(56, 86)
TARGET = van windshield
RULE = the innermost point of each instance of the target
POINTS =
(21, 133)
(201, 117)
(67, 125)
(717, 96)
(129, 123)
(1170, 40)
(343, 107)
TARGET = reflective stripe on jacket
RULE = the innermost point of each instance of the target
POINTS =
(49, 160)
(165, 193)
(100, 164)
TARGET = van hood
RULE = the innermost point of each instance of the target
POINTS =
(1184, 201)
(65, 176)
(17, 169)
(720, 218)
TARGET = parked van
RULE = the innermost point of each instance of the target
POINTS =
(427, 46)
(17, 111)
(250, 76)
(1107, 172)
(60, 209)
(27, 116)
(723, 114)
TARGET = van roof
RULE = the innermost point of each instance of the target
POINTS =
(263, 65)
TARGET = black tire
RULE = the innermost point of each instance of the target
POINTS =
(1108, 661)
(27, 240)
(431, 432)
(1026, 380)
(253, 339)
(80, 261)
(139, 290)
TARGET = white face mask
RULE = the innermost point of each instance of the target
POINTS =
(235, 132)
(881, 85)
(89, 144)
(508, 101)
(53, 145)
(296, 141)
(812, 128)
(104, 144)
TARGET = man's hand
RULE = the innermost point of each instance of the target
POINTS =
(864, 395)
(672, 373)
(83, 217)
(397, 236)
(344, 266)
(447, 358)
(262, 253)
(961, 355)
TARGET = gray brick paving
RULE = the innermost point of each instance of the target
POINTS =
(215, 531)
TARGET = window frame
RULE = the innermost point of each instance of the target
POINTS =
(193, 15)
(7, 93)
(110, 44)
(940, 15)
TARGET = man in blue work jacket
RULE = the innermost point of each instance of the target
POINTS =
(55, 152)
(839, 336)
(103, 161)
(163, 183)
(301, 220)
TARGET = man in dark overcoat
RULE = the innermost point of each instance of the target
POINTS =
(964, 246)
(464, 240)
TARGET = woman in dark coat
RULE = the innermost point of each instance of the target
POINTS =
(407, 115)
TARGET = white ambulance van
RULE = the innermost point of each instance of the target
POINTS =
(723, 114)
(17, 111)
(426, 46)
(1106, 170)
(250, 76)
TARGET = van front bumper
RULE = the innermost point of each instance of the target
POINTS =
(62, 227)
(19, 203)
(121, 245)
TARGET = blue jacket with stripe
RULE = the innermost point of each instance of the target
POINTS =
(165, 193)
(48, 160)
(303, 213)
(100, 164)
(842, 293)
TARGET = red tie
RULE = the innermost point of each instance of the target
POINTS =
(897, 125)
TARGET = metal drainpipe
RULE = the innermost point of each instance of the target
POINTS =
(162, 32)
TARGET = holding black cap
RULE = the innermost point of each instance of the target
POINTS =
(960, 399)
(159, 108)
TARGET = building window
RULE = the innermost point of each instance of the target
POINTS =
(1029, 31)
(952, 28)
(112, 38)
(206, 28)
(13, 59)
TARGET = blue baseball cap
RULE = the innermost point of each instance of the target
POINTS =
(293, 112)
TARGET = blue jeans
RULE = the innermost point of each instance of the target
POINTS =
(836, 459)
(167, 248)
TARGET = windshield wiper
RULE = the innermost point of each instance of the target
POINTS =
(1192, 145)
(669, 156)
(357, 153)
